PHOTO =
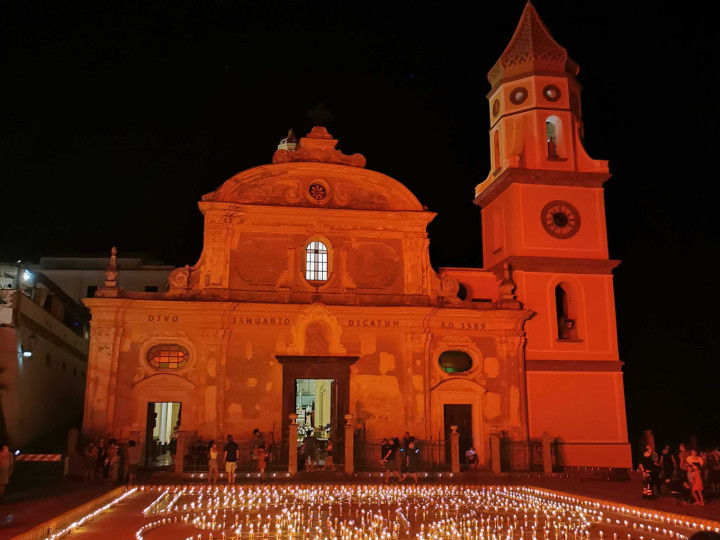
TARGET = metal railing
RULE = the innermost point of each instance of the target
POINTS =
(521, 456)
(197, 455)
(432, 455)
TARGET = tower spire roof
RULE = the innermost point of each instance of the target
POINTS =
(532, 49)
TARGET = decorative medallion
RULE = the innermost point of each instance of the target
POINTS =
(317, 192)
(518, 95)
(560, 219)
(496, 107)
(551, 92)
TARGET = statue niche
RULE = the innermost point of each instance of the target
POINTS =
(317, 341)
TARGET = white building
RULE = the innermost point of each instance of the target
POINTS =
(43, 356)
(44, 332)
(80, 277)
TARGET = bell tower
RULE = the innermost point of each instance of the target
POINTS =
(543, 213)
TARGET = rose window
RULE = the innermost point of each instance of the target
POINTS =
(318, 192)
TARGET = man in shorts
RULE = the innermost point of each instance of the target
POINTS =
(132, 457)
(231, 457)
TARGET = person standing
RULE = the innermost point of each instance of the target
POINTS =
(329, 465)
(90, 459)
(100, 457)
(112, 464)
(270, 447)
(261, 458)
(412, 457)
(230, 457)
(255, 441)
(133, 459)
(695, 459)
(213, 463)
(646, 466)
(696, 484)
(395, 458)
(406, 440)
(385, 453)
(668, 464)
(713, 467)
(301, 461)
(310, 449)
(7, 463)
(683, 455)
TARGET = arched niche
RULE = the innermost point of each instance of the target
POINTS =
(464, 392)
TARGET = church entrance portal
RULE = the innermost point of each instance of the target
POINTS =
(314, 404)
(460, 416)
(317, 389)
(163, 420)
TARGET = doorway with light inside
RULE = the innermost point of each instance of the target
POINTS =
(163, 421)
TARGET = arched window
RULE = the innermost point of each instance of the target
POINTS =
(168, 356)
(552, 128)
(455, 361)
(566, 323)
(496, 149)
(316, 261)
(498, 230)
(462, 292)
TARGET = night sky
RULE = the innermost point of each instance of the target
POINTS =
(116, 119)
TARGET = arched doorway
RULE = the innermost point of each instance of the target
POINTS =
(164, 403)
(329, 374)
(459, 402)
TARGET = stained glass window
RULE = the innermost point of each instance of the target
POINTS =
(168, 356)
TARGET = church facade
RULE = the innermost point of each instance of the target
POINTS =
(314, 298)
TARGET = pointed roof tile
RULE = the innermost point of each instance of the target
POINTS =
(531, 49)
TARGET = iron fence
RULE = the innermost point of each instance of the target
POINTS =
(368, 455)
(197, 456)
(521, 456)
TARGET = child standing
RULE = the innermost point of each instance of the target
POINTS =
(696, 483)
(261, 455)
(213, 463)
(329, 465)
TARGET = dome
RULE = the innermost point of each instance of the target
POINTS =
(316, 174)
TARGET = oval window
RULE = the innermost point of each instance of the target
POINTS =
(455, 361)
(168, 356)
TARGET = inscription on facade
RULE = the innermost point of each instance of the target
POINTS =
(463, 325)
(373, 323)
(163, 318)
(260, 320)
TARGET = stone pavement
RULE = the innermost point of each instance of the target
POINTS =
(124, 519)
(628, 492)
(23, 511)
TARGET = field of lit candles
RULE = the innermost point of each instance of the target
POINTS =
(397, 511)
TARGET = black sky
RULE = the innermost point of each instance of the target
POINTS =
(117, 117)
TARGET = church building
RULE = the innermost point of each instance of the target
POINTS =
(314, 297)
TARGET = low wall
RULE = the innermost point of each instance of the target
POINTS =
(63, 520)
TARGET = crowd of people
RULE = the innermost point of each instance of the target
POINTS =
(261, 453)
(400, 458)
(104, 462)
(687, 474)
(309, 452)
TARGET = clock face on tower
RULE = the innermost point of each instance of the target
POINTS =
(560, 219)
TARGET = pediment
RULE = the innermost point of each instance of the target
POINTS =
(459, 385)
(165, 381)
